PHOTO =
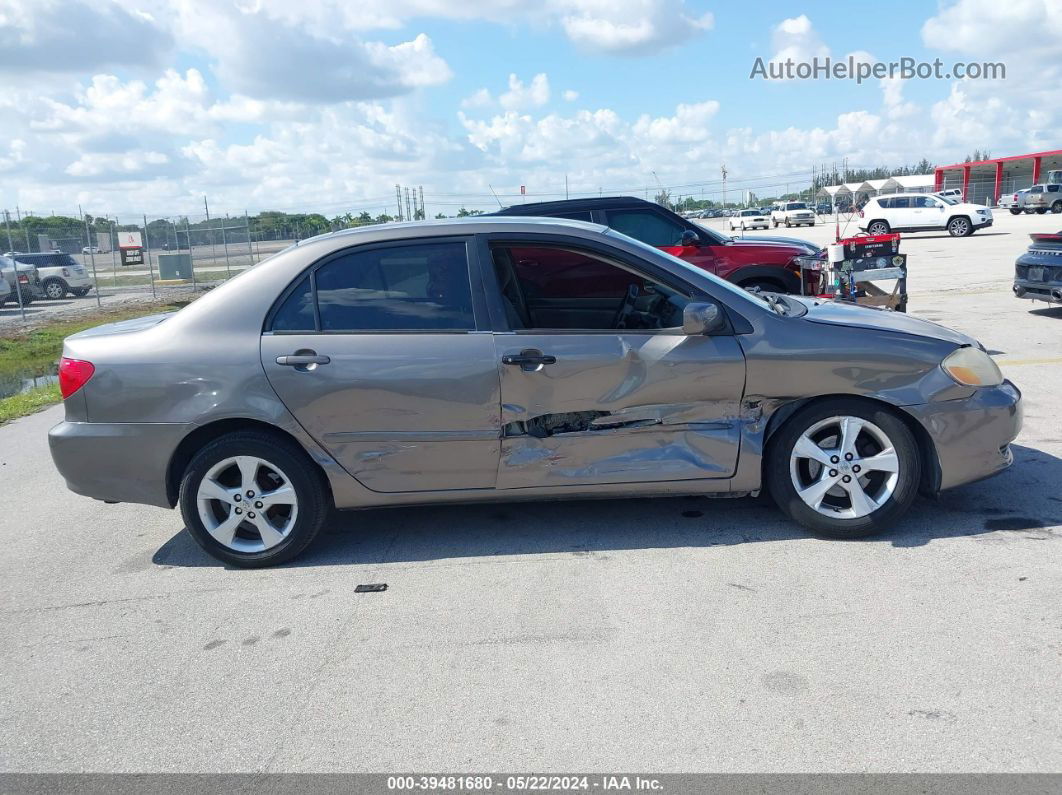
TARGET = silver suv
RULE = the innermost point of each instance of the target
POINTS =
(1042, 198)
(27, 282)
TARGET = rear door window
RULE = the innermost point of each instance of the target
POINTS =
(647, 226)
(398, 288)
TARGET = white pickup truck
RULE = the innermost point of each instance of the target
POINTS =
(792, 214)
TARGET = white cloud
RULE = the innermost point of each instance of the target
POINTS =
(478, 99)
(630, 27)
(797, 39)
(986, 28)
(75, 36)
(520, 96)
(570, 95)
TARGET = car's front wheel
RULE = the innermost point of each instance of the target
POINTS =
(878, 228)
(1057, 207)
(960, 227)
(253, 499)
(844, 468)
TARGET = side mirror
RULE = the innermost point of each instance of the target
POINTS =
(690, 238)
(700, 319)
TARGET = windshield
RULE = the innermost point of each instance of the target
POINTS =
(796, 206)
(948, 199)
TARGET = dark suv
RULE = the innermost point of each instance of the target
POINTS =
(764, 262)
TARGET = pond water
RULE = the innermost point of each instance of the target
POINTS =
(18, 381)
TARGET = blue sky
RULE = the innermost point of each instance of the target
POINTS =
(147, 105)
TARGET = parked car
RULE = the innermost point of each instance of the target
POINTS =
(5, 291)
(824, 208)
(1038, 272)
(494, 358)
(90, 249)
(766, 264)
(1015, 202)
(1044, 197)
(749, 219)
(792, 214)
(28, 281)
(955, 194)
(59, 273)
(916, 212)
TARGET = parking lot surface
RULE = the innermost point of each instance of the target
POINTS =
(659, 635)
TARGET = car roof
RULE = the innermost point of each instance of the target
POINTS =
(473, 224)
(574, 205)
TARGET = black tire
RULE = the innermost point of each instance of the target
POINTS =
(81, 292)
(27, 298)
(55, 289)
(960, 226)
(314, 498)
(1041, 210)
(1057, 207)
(778, 479)
(878, 227)
(1015, 211)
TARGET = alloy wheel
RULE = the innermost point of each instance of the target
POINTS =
(54, 290)
(959, 227)
(844, 467)
(878, 228)
(247, 504)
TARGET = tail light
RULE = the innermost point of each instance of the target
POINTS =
(23, 278)
(73, 374)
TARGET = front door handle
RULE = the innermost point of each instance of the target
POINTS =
(529, 359)
(302, 359)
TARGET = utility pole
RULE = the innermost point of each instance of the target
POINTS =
(565, 187)
(409, 210)
(423, 212)
(398, 199)
(724, 172)
(92, 257)
(213, 251)
(17, 287)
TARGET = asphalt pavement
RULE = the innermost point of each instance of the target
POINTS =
(666, 635)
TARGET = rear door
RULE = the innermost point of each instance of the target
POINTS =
(378, 353)
(586, 403)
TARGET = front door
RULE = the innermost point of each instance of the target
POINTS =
(377, 355)
(598, 383)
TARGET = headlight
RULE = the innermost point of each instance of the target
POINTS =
(972, 367)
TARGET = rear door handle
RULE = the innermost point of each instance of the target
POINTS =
(302, 359)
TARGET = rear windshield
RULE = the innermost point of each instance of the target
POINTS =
(796, 206)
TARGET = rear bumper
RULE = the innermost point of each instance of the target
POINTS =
(1038, 291)
(117, 462)
(972, 436)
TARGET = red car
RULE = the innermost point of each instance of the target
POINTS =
(764, 262)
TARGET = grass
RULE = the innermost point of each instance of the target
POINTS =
(34, 353)
(28, 402)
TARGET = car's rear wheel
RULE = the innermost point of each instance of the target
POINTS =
(878, 228)
(1057, 207)
(253, 499)
(1015, 211)
(81, 292)
(55, 289)
(960, 227)
(844, 468)
(1041, 210)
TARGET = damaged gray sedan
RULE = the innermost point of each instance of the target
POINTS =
(512, 358)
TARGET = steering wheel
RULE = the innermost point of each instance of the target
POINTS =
(626, 309)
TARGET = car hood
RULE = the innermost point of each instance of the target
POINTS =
(968, 207)
(834, 313)
(800, 247)
(123, 326)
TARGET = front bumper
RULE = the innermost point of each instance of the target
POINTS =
(982, 223)
(972, 436)
(117, 462)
